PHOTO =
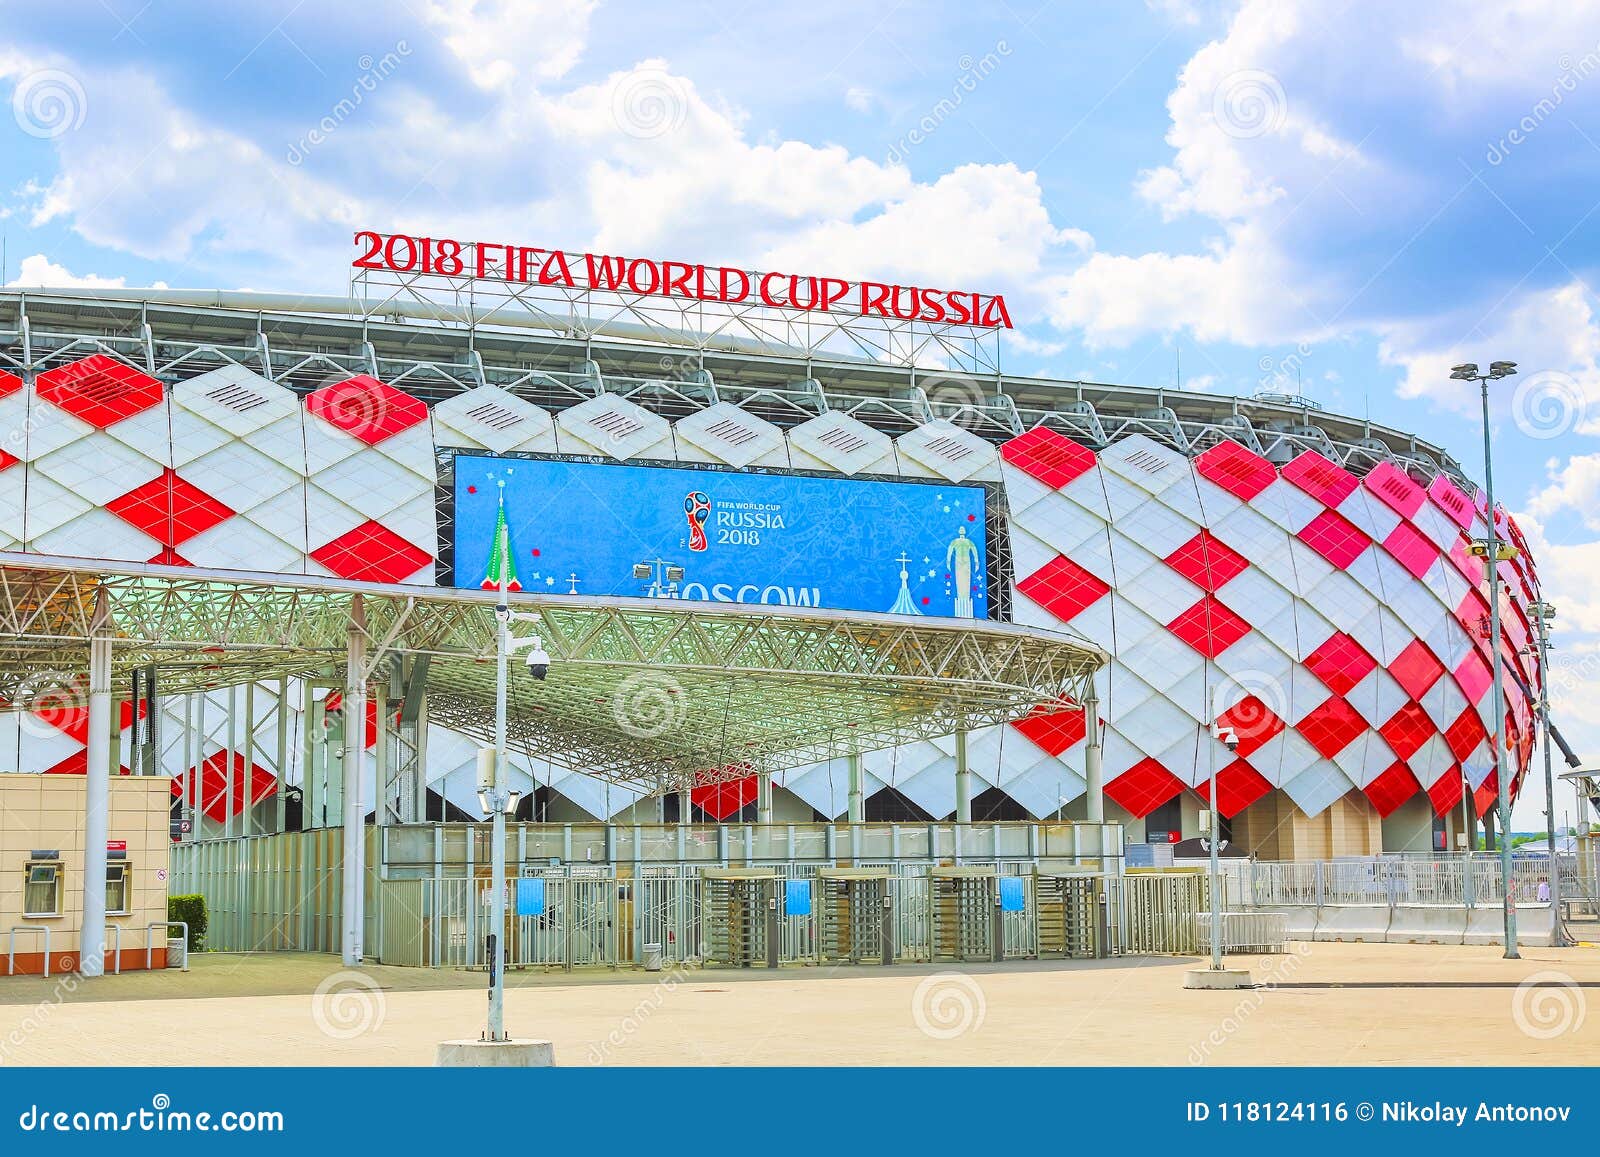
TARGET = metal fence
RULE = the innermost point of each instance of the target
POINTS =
(1392, 881)
(607, 921)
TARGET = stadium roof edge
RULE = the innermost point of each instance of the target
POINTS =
(1031, 396)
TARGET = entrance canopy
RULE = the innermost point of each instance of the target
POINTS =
(658, 695)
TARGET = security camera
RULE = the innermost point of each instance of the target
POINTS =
(538, 661)
(1229, 738)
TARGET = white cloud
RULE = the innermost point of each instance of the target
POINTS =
(502, 41)
(39, 270)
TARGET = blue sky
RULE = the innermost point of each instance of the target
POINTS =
(1338, 199)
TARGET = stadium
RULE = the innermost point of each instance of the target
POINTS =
(1254, 562)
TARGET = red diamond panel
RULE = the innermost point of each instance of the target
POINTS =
(169, 557)
(1447, 791)
(1340, 663)
(1052, 458)
(1240, 472)
(1473, 676)
(372, 553)
(721, 800)
(1487, 795)
(99, 389)
(1209, 627)
(67, 710)
(1407, 730)
(1063, 588)
(1447, 496)
(77, 764)
(1395, 489)
(1334, 537)
(367, 408)
(1207, 562)
(1238, 786)
(169, 509)
(213, 778)
(1144, 787)
(1328, 483)
(7, 460)
(1411, 549)
(1416, 669)
(1464, 735)
(1054, 728)
(9, 383)
(1393, 788)
(1332, 727)
(1253, 722)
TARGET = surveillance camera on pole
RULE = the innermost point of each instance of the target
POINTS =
(538, 659)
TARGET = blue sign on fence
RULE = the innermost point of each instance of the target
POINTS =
(1011, 895)
(589, 528)
(797, 897)
(530, 897)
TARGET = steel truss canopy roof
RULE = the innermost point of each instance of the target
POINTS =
(656, 695)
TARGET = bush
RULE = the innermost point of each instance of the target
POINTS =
(192, 911)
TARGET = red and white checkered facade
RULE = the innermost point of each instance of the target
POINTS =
(1336, 622)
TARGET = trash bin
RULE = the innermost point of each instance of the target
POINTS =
(652, 958)
(177, 952)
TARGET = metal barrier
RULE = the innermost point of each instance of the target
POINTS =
(1152, 914)
(11, 951)
(166, 926)
(1246, 931)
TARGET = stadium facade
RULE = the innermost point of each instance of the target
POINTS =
(1254, 563)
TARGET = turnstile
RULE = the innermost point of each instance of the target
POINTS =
(855, 917)
(967, 921)
(1070, 912)
(739, 914)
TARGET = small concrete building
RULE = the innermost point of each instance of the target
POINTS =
(41, 871)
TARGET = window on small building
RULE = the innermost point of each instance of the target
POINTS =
(41, 894)
(117, 889)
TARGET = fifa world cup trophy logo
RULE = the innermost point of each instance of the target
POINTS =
(696, 508)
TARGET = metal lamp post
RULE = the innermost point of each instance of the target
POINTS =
(1230, 740)
(1491, 552)
(1543, 613)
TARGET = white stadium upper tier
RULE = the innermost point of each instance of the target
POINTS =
(1257, 563)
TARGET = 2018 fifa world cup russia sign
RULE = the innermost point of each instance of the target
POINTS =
(645, 276)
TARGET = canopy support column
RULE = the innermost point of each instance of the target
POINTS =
(963, 781)
(355, 733)
(858, 802)
(1093, 759)
(97, 793)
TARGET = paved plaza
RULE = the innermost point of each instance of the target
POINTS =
(1340, 1004)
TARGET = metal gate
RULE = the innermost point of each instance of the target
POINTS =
(855, 923)
(1069, 913)
(965, 913)
(740, 917)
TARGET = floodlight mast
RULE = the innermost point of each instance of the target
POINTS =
(1492, 556)
(496, 799)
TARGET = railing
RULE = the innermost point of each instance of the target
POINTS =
(11, 950)
(606, 920)
(1246, 931)
(1453, 880)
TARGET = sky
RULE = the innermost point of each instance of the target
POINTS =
(1338, 200)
